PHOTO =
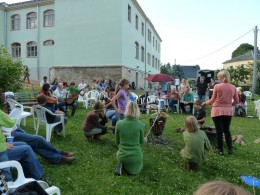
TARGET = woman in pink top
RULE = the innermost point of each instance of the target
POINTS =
(223, 98)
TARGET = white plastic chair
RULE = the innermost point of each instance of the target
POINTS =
(257, 108)
(20, 180)
(150, 99)
(82, 99)
(135, 96)
(248, 94)
(92, 96)
(40, 119)
(15, 105)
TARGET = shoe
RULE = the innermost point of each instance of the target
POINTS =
(66, 159)
(119, 168)
(67, 154)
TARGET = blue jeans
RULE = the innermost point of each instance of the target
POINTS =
(202, 98)
(172, 102)
(111, 114)
(39, 145)
(24, 154)
(6, 171)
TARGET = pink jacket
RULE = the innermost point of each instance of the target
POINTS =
(223, 98)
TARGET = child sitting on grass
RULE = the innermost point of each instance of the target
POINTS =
(195, 143)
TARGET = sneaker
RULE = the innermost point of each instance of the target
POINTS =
(119, 168)
(66, 159)
(67, 154)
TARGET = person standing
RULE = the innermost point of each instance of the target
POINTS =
(223, 95)
(211, 86)
(129, 137)
(26, 74)
(120, 98)
(183, 86)
(201, 89)
(177, 83)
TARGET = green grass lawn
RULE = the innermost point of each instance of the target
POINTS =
(93, 170)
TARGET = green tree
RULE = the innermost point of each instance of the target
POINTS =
(177, 71)
(242, 49)
(166, 69)
(240, 74)
(11, 72)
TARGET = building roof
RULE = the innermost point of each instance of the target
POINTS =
(247, 56)
(190, 71)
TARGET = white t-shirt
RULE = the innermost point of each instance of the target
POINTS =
(82, 86)
(177, 81)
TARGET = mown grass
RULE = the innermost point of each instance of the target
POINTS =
(93, 170)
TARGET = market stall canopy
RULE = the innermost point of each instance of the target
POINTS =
(159, 78)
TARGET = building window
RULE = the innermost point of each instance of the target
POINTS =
(32, 20)
(153, 41)
(31, 49)
(156, 44)
(15, 22)
(48, 42)
(49, 18)
(136, 22)
(136, 50)
(159, 48)
(158, 64)
(149, 59)
(129, 13)
(149, 36)
(142, 28)
(153, 61)
(16, 50)
(142, 54)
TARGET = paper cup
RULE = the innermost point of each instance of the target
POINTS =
(9, 139)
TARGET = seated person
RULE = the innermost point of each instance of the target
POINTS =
(195, 143)
(105, 93)
(173, 99)
(200, 113)
(129, 137)
(18, 151)
(94, 124)
(129, 95)
(159, 93)
(41, 100)
(110, 111)
(187, 99)
(72, 99)
(241, 105)
(51, 100)
(60, 95)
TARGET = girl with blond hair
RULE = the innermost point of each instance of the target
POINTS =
(129, 137)
(195, 143)
(223, 99)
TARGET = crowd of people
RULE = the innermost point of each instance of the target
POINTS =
(120, 106)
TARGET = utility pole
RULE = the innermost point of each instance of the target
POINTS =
(255, 71)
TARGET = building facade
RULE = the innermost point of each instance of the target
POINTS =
(83, 39)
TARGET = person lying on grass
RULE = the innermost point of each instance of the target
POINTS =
(195, 143)
(94, 124)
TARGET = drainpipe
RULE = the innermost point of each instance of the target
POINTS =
(38, 44)
(145, 31)
(5, 31)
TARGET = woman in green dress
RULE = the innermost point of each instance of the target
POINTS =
(129, 137)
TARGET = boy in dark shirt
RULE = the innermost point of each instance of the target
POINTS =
(200, 113)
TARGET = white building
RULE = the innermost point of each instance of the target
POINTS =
(83, 39)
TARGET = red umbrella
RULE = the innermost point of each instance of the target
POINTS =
(159, 78)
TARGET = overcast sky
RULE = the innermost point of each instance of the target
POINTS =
(193, 29)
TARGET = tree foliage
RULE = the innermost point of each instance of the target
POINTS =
(173, 70)
(241, 74)
(242, 49)
(11, 72)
